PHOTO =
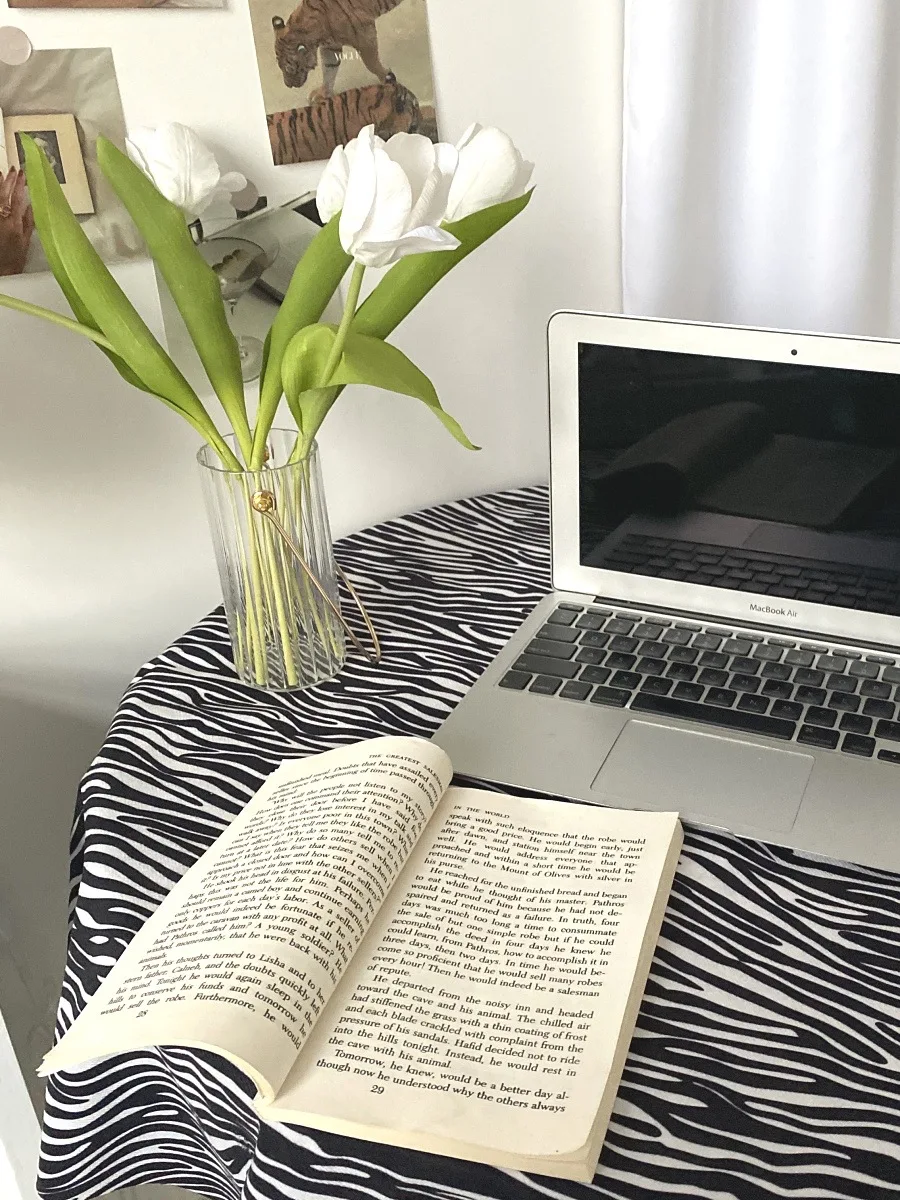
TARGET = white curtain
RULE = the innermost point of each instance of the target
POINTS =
(762, 178)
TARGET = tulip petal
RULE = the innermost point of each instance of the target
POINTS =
(415, 154)
(333, 185)
(389, 214)
(417, 241)
(487, 172)
(470, 133)
(359, 200)
(431, 205)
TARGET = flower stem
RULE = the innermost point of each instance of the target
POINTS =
(334, 358)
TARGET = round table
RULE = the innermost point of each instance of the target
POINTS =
(766, 1060)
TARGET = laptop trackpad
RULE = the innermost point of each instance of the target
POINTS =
(707, 778)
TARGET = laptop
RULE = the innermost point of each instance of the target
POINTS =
(723, 633)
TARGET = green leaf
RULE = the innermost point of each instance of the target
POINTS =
(100, 303)
(40, 203)
(192, 282)
(365, 360)
(312, 285)
(412, 278)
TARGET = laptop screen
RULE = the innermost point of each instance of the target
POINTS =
(772, 478)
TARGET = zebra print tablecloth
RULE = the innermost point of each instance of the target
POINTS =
(766, 1060)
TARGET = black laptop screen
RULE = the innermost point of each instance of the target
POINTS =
(779, 479)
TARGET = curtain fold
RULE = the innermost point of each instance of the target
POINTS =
(760, 179)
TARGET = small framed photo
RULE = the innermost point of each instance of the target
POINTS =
(57, 136)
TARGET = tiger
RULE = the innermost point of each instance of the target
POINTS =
(327, 26)
(311, 134)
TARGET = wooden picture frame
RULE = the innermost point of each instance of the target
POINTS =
(57, 134)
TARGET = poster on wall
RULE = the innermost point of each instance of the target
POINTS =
(65, 99)
(330, 67)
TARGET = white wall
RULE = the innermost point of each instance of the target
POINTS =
(103, 548)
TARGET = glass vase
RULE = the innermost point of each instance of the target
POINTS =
(282, 615)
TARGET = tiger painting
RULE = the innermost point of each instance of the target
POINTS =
(325, 27)
(311, 134)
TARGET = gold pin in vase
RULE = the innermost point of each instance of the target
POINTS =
(265, 504)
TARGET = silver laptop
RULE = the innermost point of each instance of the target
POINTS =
(723, 634)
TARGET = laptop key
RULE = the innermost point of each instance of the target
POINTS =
(621, 662)
(619, 625)
(688, 691)
(768, 652)
(537, 664)
(841, 683)
(676, 636)
(558, 633)
(681, 671)
(626, 679)
(831, 662)
(853, 743)
(548, 649)
(844, 702)
(776, 671)
(863, 670)
(853, 723)
(575, 690)
(747, 666)
(712, 677)
(682, 654)
(594, 675)
(721, 696)
(711, 659)
(648, 631)
(826, 717)
(594, 639)
(814, 735)
(880, 708)
(777, 689)
(611, 696)
(563, 616)
(890, 756)
(708, 714)
(706, 641)
(755, 704)
(690, 626)
(515, 680)
(577, 608)
(590, 656)
(891, 674)
(546, 685)
(590, 620)
(651, 666)
(737, 646)
(656, 686)
(799, 658)
(626, 645)
(744, 683)
(787, 710)
(875, 689)
(813, 678)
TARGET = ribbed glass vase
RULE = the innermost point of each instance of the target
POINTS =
(284, 629)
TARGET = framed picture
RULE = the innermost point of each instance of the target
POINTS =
(57, 136)
(4, 161)
(330, 67)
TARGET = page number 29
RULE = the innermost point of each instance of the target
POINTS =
(377, 1089)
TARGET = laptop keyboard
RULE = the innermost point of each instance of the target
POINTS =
(792, 690)
(846, 586)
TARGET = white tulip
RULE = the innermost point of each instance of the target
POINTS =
(391, 195)
(182, 167)
(490, 171)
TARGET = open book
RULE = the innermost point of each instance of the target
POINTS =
(394, 959)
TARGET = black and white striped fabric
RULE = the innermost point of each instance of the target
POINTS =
(766, 1061)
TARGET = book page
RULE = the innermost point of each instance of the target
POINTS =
(486, 1004)
(245, 952)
